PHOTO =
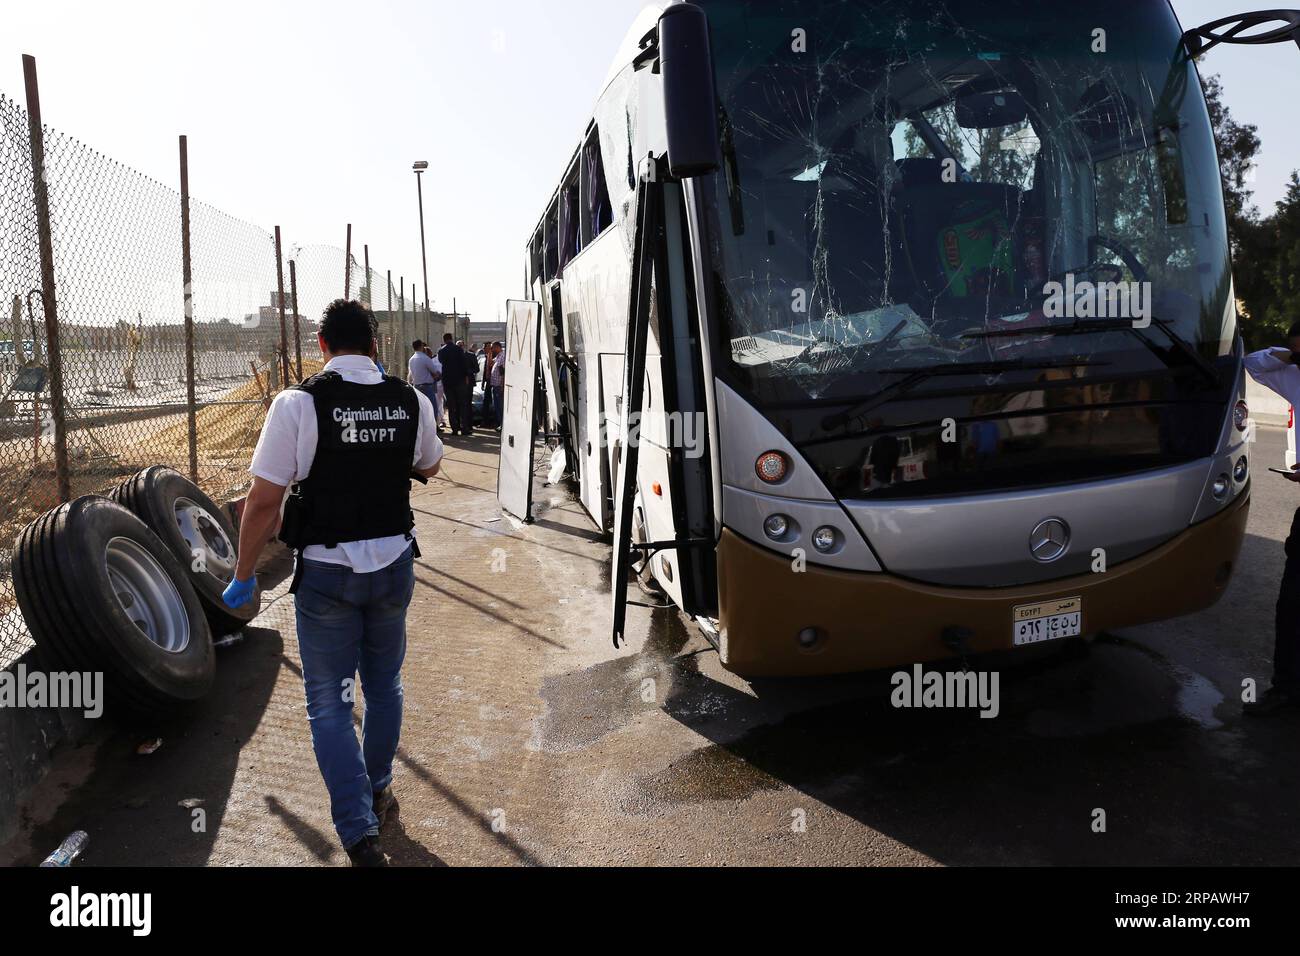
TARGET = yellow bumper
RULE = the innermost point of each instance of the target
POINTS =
(871, 621)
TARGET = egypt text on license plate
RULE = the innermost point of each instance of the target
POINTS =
(1049, 621)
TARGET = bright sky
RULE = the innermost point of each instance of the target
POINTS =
(309, 114)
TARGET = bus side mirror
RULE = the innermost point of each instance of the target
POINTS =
(690, 101)
(1266, 26)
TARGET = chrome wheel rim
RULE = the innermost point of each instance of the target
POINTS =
(147, 594)
(211, 551)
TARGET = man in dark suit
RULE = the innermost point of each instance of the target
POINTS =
(458, 371)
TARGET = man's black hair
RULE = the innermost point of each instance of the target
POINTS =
(417, 345)
(447, 337)
(1295, 331)
(348, 327)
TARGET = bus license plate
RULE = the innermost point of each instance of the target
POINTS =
(1050, 621)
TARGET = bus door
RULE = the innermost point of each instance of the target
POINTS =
(557, 374)
(518, 412)
(549, 346)
(663, 464)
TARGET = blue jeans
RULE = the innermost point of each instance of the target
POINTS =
(350, 623)
(431, 393)
(498, 403)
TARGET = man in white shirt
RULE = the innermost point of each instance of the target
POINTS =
(348, 441)
(497, 381)
(423, 372)
(441, 405)
(1279, 370)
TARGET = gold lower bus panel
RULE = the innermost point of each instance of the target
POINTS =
(871, 621)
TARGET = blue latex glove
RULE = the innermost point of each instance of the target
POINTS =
(239, 593)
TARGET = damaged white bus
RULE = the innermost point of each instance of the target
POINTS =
(883, 333)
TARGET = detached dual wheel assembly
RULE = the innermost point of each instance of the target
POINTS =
(101, 593)
(131, 586)
(197, 532)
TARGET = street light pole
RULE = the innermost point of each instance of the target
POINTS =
(419, 168)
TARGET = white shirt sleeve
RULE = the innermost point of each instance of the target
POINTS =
(1273, 373)
(276, 457)
(428, 446)
(1261, 363)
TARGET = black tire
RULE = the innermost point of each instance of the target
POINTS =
(153, 495)
(73, 570)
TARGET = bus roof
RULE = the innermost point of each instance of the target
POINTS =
(627, 52)
(631, 45)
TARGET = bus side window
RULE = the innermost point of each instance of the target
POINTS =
(616, 118)
(552, 256)
(597, 213)
(536, 257)
(570, 243)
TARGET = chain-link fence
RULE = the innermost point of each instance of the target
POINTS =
(109, 379)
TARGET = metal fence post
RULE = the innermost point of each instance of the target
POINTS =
(284, 332)
(370, 291)
(191, 410)
(399, 345)
(293, 297)
(391, 334)
(40, 187)
(347, 266)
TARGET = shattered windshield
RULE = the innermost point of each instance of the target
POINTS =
(912, 185)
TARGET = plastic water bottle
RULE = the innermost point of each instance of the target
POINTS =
(68, 850)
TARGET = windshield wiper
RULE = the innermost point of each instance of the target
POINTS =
(1089, 326)
(916, 376)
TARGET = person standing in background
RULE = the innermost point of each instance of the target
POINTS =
(422, 374)
(456, 379)
(442, 395)
(497, 373)
(485, 360)
(1278, 370)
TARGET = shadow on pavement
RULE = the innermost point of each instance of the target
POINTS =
(129, 802)
(1182, 777)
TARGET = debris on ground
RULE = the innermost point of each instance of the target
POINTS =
(68, 850)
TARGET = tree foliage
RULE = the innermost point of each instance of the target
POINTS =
(1266, 249)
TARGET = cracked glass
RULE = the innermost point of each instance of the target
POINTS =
(900, 178)
(922, 198)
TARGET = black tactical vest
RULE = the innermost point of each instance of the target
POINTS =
(360, 482)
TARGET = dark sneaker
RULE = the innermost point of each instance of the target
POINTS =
(1273, 702)
(385, 802)
(367, 853)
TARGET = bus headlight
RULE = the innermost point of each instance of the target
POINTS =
(1242, 471)
(1222, 485)
(1241, 416)
(825, 539)
(777, 527)
(772, 467)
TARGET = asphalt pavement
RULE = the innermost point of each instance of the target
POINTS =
(529, 740)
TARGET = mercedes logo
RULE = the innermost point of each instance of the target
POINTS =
(1050, 540)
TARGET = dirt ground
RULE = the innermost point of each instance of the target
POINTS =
(529, 740)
